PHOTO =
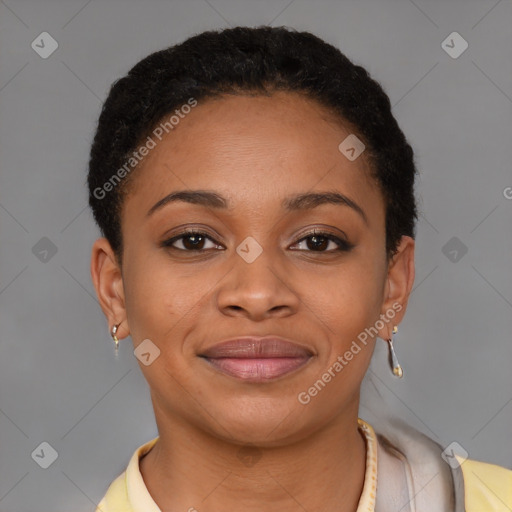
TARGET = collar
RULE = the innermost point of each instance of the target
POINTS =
(368, 496)
(138, 494)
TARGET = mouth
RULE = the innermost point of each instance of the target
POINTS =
(256, 359)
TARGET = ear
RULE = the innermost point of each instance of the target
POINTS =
(398, 286)
(108, 282)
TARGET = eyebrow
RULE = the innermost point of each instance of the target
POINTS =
(306, 201)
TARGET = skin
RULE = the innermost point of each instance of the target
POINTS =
(254, 151)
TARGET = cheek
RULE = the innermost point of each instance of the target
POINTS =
(349, 300)
(160, 296)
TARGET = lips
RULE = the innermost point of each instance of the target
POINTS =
(257, 359)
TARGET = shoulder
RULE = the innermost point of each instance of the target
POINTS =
(116, 499)
(128, 491)
(487, 486)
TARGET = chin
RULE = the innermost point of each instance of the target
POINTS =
(261, 422)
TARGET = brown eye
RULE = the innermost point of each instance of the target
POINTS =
(190, 241)
(319, 242)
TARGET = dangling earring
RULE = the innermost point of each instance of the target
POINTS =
(393, 361)
(113, 333)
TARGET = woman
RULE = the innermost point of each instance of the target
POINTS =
(256, 199)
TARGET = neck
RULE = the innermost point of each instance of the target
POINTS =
(190, 469)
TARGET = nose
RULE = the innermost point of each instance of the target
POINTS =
(257, 290)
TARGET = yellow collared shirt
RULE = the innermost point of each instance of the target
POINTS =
(487, 487)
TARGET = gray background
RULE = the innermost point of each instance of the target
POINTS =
(59, 381)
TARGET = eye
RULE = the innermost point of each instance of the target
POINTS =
(319, 241)
(316, 241)
(190, 241)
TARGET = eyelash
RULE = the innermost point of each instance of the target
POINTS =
(344, 246)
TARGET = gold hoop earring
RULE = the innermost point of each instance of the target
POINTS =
(393, 360)
(113, 333)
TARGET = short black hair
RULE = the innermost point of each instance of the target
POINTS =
(247, 60)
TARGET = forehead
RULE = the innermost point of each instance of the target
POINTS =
(253, 149)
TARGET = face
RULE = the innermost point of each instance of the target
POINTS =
(251, 259)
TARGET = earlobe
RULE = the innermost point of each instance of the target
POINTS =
(399, 283)
(108, 283)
